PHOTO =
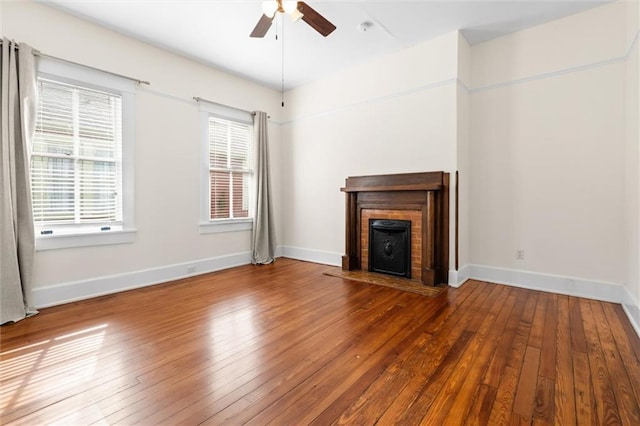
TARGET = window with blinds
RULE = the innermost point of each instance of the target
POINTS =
(230, 168)
(76, 161)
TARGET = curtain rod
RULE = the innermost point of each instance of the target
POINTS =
(199, 99)
(44, 55)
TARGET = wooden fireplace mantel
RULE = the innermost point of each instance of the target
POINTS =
(427, 192)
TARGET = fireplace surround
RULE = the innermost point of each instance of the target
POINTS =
(422, 198)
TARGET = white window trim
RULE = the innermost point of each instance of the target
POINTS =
(68, 236)
(60, 241)
(226, 225)
(206, 225)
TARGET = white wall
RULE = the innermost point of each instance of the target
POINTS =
(548, 148)
(394, 114)
(167, 157)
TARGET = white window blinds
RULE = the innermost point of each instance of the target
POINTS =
(230, 167)
(76, 162)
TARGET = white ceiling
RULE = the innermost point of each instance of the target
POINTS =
(216, 32)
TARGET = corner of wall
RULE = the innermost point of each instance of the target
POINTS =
(459, 277)
(464, 61)
(460, 192)
(632, 165)
(632, 309)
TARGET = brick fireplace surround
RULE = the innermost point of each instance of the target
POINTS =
(422, 198)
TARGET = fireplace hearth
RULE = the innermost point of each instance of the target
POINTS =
(390, 247)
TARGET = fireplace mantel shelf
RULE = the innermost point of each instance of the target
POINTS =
(410, 187)
(426, 192)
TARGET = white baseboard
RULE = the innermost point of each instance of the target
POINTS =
(315, 256)
(457, 278)
(70, 292)
(632, 309)
(597, 290)
(453, 278)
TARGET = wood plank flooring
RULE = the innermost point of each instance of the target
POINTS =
(285, 344)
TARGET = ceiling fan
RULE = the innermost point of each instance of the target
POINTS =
(297, 10)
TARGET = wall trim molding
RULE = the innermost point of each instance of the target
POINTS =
(375, 99)
(556, 73)
(59, 294)
(549, 74)
(457, 81)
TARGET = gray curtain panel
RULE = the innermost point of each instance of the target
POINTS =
(263, 236)
(17, 120)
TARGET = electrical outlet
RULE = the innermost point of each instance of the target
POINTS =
(191, 269)
(520, 254)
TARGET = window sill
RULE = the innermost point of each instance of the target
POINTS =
(231, 225)
(54, 242)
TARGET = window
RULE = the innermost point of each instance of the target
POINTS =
(229, 168)
(228, 177)
(76, 162)
(81, 174)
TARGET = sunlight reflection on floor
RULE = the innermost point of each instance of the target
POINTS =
(235, 332)
(45, 369)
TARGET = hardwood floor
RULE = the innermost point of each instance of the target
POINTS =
(285, 344)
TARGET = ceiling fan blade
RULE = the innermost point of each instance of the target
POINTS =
(315, 20)
(262, 26)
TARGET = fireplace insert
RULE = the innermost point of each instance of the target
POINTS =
(390, 247)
